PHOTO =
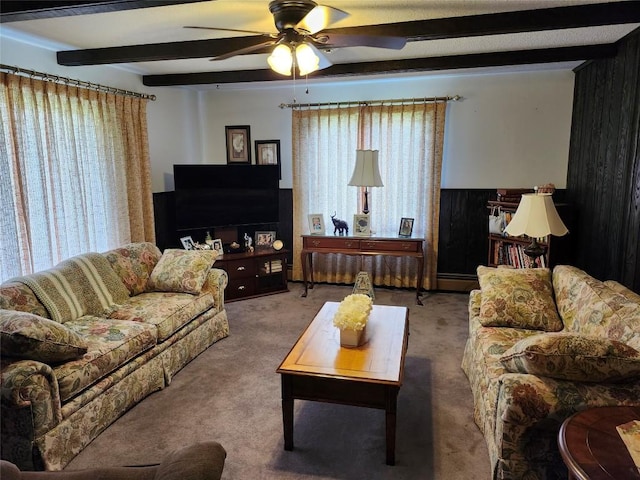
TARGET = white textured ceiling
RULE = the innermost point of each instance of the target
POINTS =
(165, 24)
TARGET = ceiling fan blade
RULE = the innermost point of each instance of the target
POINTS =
(320, 17)
(355, 40)
(245, 50)
(273, 35)
(324, 61)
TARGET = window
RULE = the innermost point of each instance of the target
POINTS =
(409, 139)
(67, 157)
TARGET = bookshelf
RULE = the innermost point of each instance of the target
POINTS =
(506, 250)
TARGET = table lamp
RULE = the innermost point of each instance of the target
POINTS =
(366, 174)
(536, 217)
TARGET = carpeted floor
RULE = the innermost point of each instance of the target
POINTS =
(231, 394)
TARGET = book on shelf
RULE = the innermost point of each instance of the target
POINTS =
(512, 254)
(273, 266)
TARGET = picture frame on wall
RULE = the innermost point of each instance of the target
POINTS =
(187, 243)
(316, 224)
(264, 239)
(406, 227)
(238, 144)
(268, 153)
(361, 225)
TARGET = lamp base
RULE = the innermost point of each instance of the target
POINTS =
(365, 209)
(534, 250)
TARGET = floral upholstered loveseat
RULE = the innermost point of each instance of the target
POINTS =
(86, 340)
(541, 347)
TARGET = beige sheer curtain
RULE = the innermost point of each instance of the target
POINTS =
(409, 138)
(74, 173)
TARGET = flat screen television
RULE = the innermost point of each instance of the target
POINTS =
(209, 196)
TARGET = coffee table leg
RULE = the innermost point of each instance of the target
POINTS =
(287, 412)
(390, 414)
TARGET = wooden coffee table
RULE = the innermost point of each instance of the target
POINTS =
(591, 447)
(318, 368)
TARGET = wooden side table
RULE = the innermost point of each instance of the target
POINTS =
(591, 447)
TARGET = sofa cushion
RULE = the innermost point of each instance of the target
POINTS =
(82, 285)
(111, 344)
(29, 336)
(578, 358)
(521, 298)
(134, 263)
(590, 307)
(17, 296)
(166, 310)
(622, 290)
(182, 271)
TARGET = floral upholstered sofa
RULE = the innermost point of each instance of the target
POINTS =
(541, 347)
(86, 340)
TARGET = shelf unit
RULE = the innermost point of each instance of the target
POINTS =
(253, 274)
(506, 250)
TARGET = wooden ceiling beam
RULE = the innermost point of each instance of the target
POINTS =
(156, 52)
(520, 57)
(555, 18)
(453, 27)
(17, 11)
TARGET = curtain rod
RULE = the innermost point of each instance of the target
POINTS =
(70, 81)
(397, 101)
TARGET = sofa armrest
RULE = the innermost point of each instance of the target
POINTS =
(528, 399)
(216, 282)
(31, 385)
(201, 461)
(531, 409)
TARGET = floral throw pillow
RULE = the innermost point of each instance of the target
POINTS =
(182, 271)
(29, 336)
(579, 358)
(521, 298)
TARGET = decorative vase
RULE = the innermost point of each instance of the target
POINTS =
(352, 338)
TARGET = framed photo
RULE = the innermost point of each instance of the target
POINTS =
(217, 246)
(238, 144)
(316, 224)
(265, 239)
(406, 227)
(361, 225)
(187, 243)
(268, 153)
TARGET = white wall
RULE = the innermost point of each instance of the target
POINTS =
(510, 129)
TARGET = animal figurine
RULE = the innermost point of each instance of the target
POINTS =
(340, 225)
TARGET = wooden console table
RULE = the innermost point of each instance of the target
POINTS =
(365, 246)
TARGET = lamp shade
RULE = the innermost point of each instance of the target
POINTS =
(306, 59)
(536, 217)
(281, 60)
(366, 172)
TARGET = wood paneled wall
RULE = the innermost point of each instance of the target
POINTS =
(603, 179)
(464, 229)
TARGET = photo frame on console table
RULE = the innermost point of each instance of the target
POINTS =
(406, 227)
(361, 225)
(238, 144)
(268, 153)
(316, 224)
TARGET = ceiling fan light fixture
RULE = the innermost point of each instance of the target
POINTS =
(281, 60)
(306, 59)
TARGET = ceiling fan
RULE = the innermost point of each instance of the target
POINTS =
(300, 37)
